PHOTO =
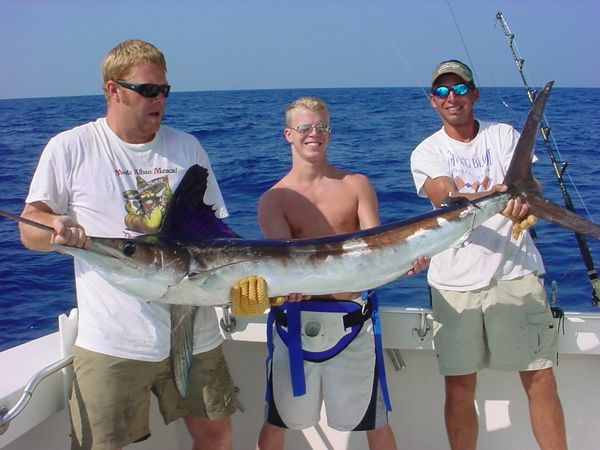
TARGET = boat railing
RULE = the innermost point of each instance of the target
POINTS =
(6, 415)
(404, 329)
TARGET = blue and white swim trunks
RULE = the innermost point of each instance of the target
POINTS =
(340, 367)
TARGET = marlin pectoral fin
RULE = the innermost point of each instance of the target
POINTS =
(182, 345)
(551, 212)
(455, 201)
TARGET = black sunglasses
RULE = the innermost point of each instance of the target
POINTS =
(146, 89)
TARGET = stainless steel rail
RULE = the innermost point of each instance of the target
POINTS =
(7, 415)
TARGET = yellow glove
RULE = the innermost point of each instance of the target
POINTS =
(249, 297)
(518, 227)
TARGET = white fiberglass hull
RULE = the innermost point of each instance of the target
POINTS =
(416, 390)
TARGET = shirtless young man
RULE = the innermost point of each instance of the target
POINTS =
(317, 199)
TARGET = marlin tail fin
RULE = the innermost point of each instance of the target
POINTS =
(521, 183)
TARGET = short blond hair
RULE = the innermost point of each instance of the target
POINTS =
(119, 61)
(310, 103)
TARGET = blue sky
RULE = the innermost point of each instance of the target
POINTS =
(54, 47)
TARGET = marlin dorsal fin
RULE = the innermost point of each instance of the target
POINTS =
(188, 216)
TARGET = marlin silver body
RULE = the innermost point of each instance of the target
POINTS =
(203, 273)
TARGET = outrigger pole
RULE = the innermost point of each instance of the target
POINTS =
(559, 168)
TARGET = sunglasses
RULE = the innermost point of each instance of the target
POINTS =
(444, 91)
(146, 89)
(306, 128)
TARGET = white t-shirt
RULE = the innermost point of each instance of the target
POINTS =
(103, 183)
(490, 252)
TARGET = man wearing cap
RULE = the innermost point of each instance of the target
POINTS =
(489, 303)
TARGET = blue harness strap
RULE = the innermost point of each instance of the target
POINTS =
(294, 344)
(270, 323)
(379, 360)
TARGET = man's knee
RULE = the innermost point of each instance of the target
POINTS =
(203, 429)
(538, 382)
(460, 388)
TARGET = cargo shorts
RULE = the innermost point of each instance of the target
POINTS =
(110, 400)
(505, 326)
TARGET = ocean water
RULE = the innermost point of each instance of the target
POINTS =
(374, 131)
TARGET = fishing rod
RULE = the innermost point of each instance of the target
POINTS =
(559, 168)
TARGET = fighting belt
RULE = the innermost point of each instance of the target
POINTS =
(323, 330)
(322, 335)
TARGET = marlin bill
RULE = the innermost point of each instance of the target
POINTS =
(196, 258)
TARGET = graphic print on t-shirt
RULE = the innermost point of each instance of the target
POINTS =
(471, 174)
(474, 186)
(146, 205)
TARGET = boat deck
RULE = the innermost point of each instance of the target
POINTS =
(416, 390)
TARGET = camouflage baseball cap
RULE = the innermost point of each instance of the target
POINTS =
(452, 66)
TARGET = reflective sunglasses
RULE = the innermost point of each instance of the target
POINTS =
(147, 89)
(444, 91)
(306, 128)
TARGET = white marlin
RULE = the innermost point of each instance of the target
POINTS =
(195, 258)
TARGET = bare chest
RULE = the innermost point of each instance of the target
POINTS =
(323, 214)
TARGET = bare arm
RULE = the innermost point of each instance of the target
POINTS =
(66, 230)
(368, 216)
(368, 205)
(274, 225)
(271, 218)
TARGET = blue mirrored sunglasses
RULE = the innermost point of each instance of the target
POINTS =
(444, 91)
(147, 89)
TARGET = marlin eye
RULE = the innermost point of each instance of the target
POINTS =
(128, 248)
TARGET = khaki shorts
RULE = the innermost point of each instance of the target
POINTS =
(505, 326)
(110, 401)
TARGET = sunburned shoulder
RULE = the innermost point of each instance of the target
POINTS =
(283, 183)
(337, 173)
(274, 194)
(356, 179)
(356, 176)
